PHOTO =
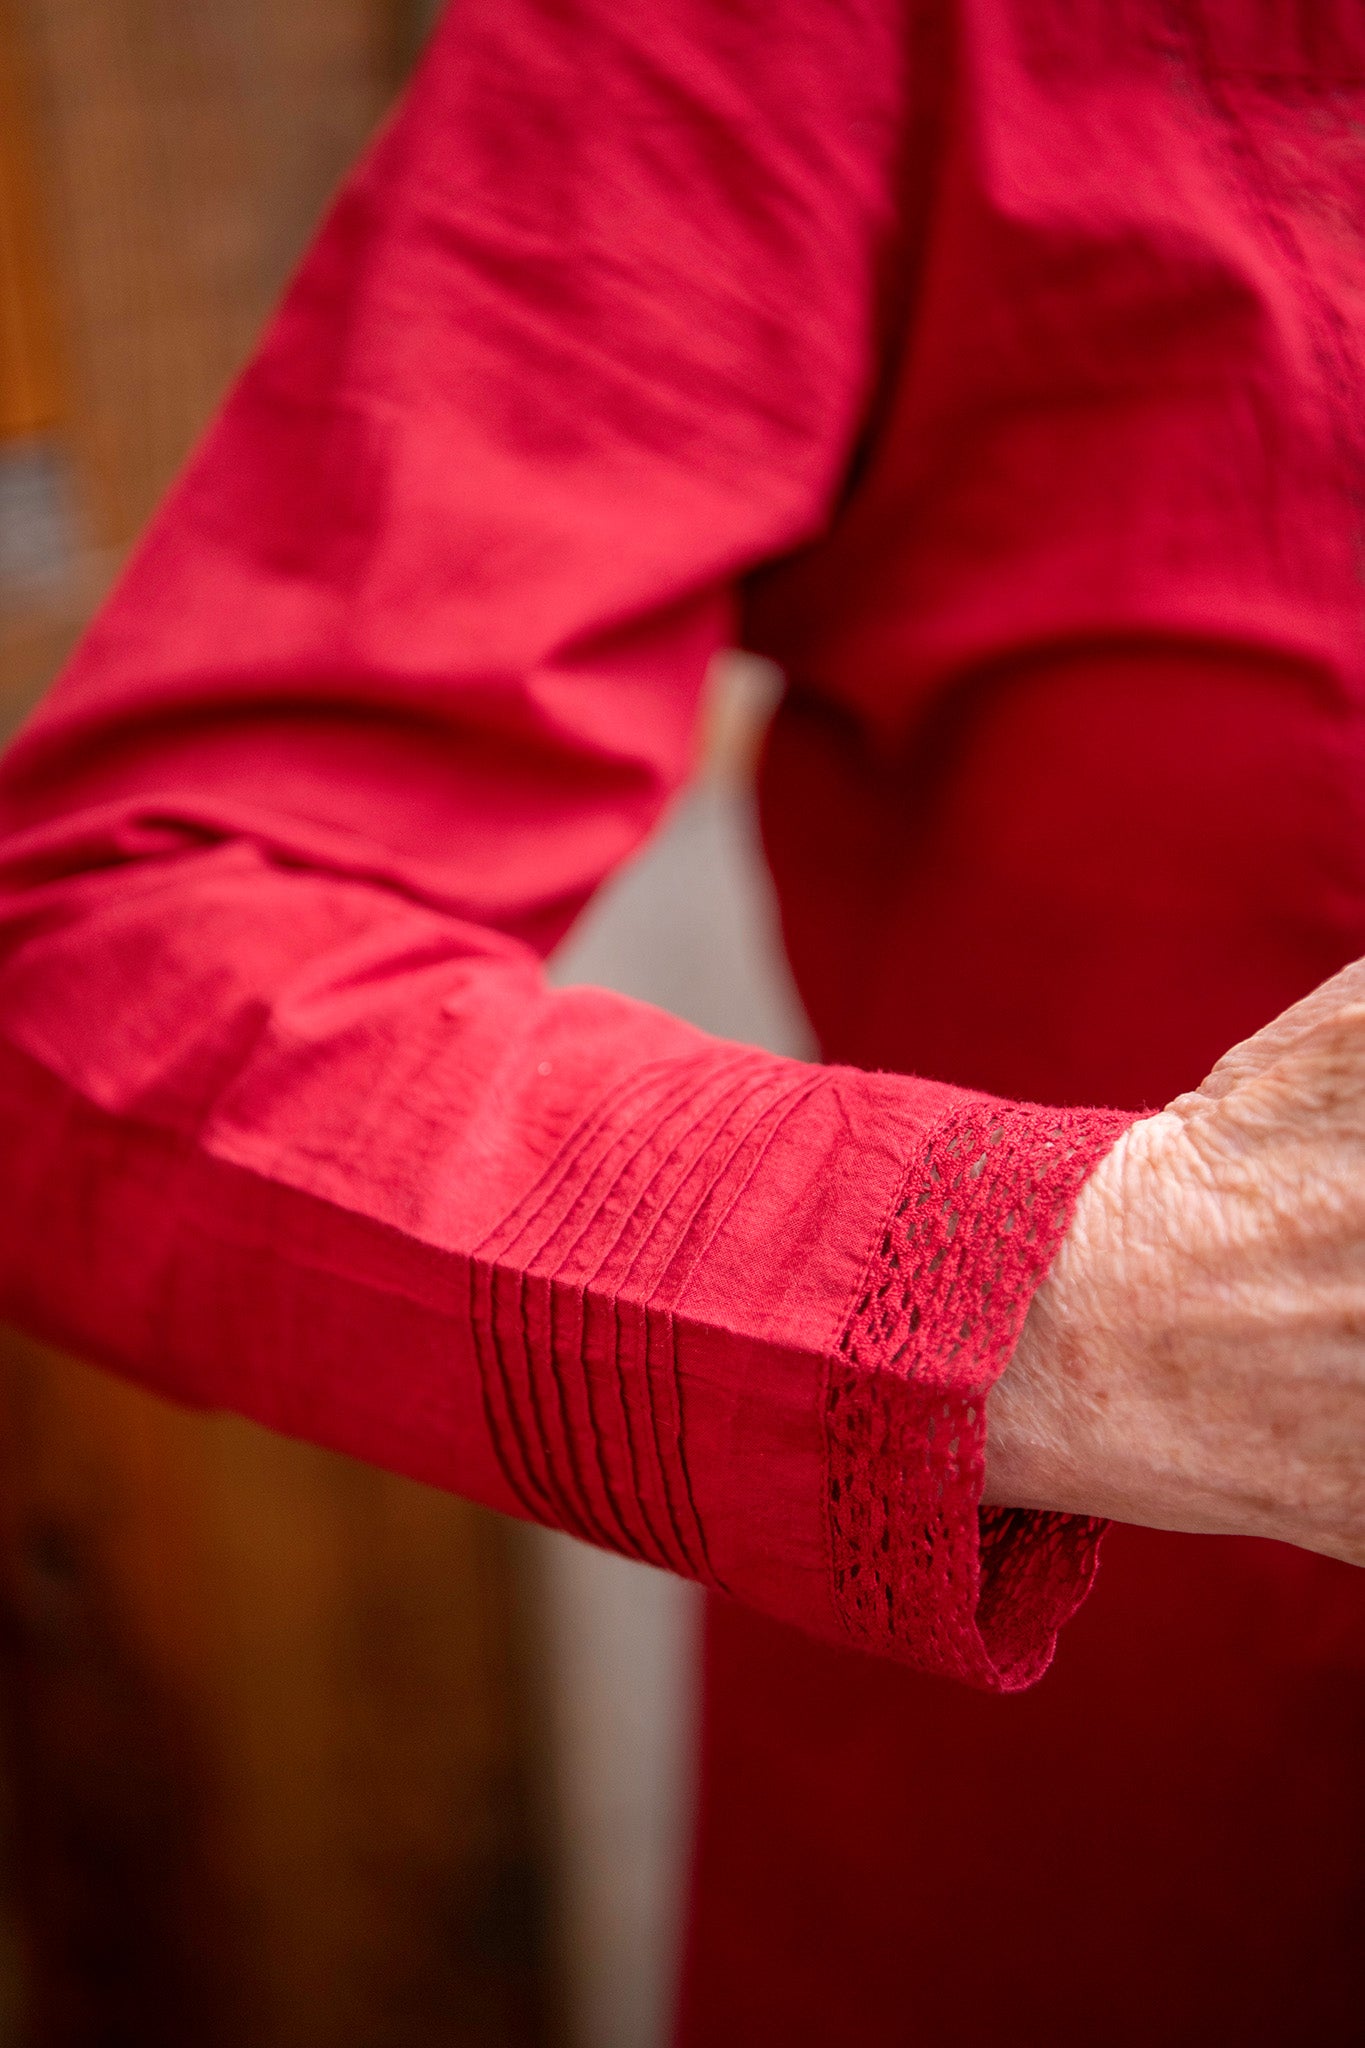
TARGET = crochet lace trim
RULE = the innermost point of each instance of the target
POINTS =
(918, 1569)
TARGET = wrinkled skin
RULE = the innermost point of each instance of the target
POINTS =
(1196, 1358)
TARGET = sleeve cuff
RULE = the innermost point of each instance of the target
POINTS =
(920, 1571)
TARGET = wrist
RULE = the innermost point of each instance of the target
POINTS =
(1066, 1427)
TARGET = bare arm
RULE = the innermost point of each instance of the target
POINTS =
(1196, 1358)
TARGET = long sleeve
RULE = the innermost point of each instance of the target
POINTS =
(407, 664)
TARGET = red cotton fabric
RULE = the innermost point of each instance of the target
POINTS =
(996, 368)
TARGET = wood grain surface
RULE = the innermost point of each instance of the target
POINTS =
(266, 1732)
(30, 379)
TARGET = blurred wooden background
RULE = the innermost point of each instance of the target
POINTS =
(161, 166)
(267, 1765)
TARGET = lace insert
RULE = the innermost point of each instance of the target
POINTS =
(919, 1570)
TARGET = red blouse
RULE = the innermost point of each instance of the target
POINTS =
(996, 366)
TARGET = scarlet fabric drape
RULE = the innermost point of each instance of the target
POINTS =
(995, 367)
